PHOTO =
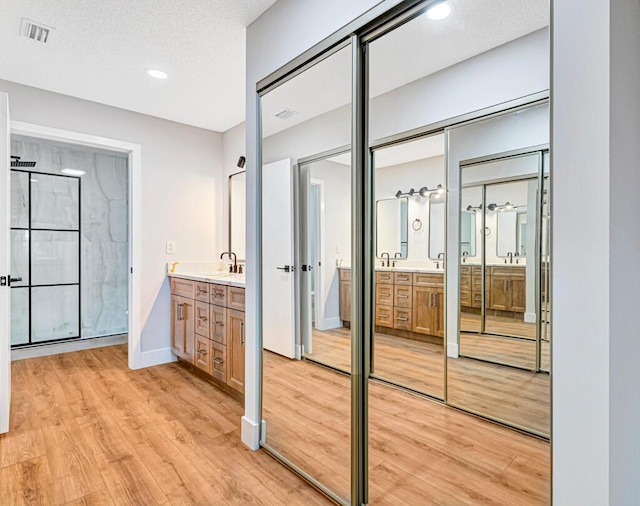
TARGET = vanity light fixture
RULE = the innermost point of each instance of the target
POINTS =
(155, 73)
(507, 206)
(439, 11)
(436, 192)
(73, 172)
(474, 208)
(400, 193)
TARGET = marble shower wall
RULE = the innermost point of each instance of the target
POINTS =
(103, 241)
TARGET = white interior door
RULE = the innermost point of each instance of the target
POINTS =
(5, 299)
(278, 279)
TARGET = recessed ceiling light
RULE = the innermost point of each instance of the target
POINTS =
(73, 172)
(439, 11)
(158, 74)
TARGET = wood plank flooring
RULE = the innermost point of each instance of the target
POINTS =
(505, 393)
(421, 451)
(85, 430)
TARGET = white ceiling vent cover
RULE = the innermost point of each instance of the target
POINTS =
(35, 31)
(286, 113)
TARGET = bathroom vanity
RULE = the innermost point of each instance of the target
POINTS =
(207, 325)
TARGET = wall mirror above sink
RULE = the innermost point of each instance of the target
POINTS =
(437, 223)
(237, 214)
(392, 227)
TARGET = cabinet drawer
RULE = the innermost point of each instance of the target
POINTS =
(345, 274)
(235, 298)
(426, 279)
(403, 296)
(402, 278)
(465, 270)
(218, 318)
(465, 298)
(219, 361)
(401, 318)
(182, 287)
(384, 316)
(201, 291)
(511, 272)
(476, 269)
(202, 319)
(384, 278)
(218, 295)
(202, 358)
(384, 295)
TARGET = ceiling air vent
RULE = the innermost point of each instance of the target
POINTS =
(35, 31)
(286, 114)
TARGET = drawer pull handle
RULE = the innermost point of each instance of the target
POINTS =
(218, 360)
(218, 294)
(385, 295)
(403, 279)
(384, 316)
(242, 333)
(400, 319)
(219, 324)
(403, 296)
(202, 319)
(202, 352)
(200, 291)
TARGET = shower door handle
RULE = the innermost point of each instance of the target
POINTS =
(14, 280)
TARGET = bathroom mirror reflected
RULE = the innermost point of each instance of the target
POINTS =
(237, 214)
(436, 226)
(468, 234)
(392, 227)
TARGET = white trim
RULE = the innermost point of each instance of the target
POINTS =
(320, 296)
(155, 357)
(530, 317)
(5, 265)
(453, 350)
(135, 208)
(250, 433)
(66, 347)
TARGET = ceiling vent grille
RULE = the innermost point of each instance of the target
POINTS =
(35, 31)
(286, 114)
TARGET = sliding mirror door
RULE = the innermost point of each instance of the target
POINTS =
(408, 345)
(306, 254)
(498, 362)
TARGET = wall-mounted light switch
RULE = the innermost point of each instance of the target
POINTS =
(171, 247)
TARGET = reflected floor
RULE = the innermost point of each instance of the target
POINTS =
(421, 451)
(506, 325)
(504, 350)
(503, 392)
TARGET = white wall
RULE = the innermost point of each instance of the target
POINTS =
(233, 147)
(181, 181)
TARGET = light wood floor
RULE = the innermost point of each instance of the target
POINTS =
(511, 395)
(421, 452)
(85, 430)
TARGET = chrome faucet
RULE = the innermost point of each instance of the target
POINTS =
(465, 254)
(388, 258)
(440, 257)
(510, 256)
(234, 267)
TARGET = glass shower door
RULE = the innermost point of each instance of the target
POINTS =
(45, 233)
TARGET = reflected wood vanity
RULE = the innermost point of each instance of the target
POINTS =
(207, 330)
(407, 303)
(505, 288)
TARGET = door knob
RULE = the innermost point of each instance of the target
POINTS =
(14, 280)
(286, 268)
(306, 268)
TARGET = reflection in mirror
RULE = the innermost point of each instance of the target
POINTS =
(499, 325)
(306, 407)
(391, 227)
(237, 214)
(408, 347)
(436, 226)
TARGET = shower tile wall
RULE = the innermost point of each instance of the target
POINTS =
(104, 242)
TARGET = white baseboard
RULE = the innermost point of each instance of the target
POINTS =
(250, 433)
(453, 350)
(156, 357)
(67, 347)
(332, 323)
(530, 317)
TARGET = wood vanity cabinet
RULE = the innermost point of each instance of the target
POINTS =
(345, 294)
(428, 310)
(207, 329)
(507, 289)
(182, 328)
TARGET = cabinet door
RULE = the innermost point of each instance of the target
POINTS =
(500, 297)
(518, 290)
(235, 349)
(219, 361)
(202, 359)
(345, 301)
(177, 326)
(438, 314)
(218, 322)
(235, 298)
(218, 295)
(424, 314)
(202, 323)
(188, 317)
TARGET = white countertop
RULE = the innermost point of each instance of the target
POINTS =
(219, 278)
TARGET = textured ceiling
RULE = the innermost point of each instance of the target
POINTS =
(100, 48)
(414, 50)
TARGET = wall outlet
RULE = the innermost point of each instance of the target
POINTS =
(171, 247)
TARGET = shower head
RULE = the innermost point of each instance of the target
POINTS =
(15, 162)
